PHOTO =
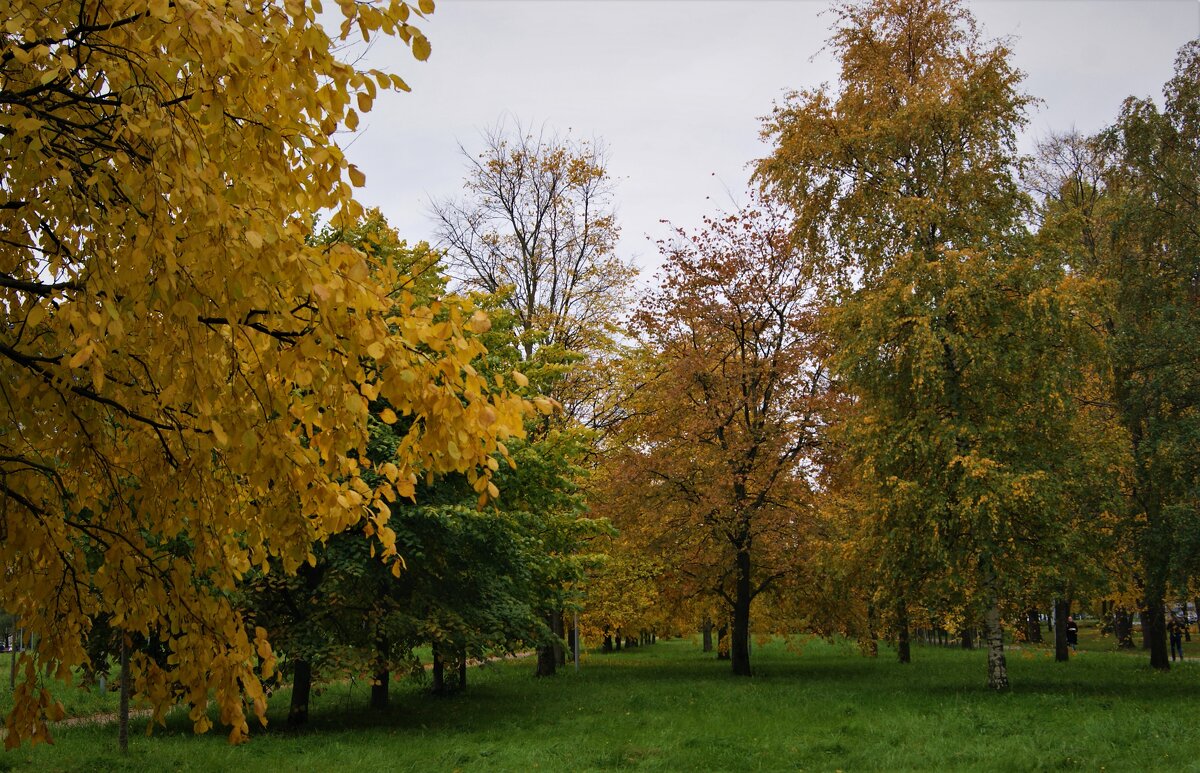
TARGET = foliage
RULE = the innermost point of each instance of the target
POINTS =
(712, 468)
(187, 380)
(1121, 210)
(472, 578)
(947, 332)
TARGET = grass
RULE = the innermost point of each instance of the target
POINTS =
(77, 700)
(813, 706)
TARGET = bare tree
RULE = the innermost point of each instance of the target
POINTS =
(537, 221)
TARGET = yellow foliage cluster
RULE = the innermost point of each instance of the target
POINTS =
(185, 380)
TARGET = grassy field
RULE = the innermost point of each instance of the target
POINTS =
(810, 706)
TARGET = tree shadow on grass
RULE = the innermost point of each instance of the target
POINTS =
(935, 678)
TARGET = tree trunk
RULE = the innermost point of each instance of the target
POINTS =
(871, 649)
(1123, 628)
(607, 646)
(706, 631)
(1033, 627)
(546, 662)
(967, 638)
(301, 687)
(12, 674)
(1062, 609)
(739, 646)
(547, 654)
(462, 669)
(1154, 626)
(123, 709)
(438, 672)
(997, 667)
(379, 689)
(903, 647)
(559, 629)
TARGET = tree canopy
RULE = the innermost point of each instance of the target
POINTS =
(187, 379)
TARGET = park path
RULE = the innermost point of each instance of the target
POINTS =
(111, 717)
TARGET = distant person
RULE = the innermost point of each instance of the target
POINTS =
(1175, 630)
(1072, 633)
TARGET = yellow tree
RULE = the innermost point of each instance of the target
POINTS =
(948, 332)
(185, 382)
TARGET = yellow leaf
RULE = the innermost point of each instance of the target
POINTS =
(480, 322)
(357, 178)
(520, 378)
(387, 416)
(97, 375)
(421, 48)
(426, 6)
(254, 239)
(81, 357)
(35, 315)
(219, 433)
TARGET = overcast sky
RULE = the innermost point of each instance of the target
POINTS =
(676, 89)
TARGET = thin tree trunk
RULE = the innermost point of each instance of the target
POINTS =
(438, 671)
(123, 709)
(559, 629)
(706, 631)
(739, 649)
(1062, 608)
(379, 689)
(301, 687)
(1033, 626)
(871, 641)
(903, 647)
(547, 655)
(723, 642)
(997, 667)
(967, 638)
(12, 674)
(462, 669)
(1123, 628)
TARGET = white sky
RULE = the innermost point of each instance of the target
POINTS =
(676, 89)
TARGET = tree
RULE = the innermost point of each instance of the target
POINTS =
(473, 578)
(187, 380)
(1123, 211)
(538, 219)
(947, 333)
(536, 229)
(719, 444)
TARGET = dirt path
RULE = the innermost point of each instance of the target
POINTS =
(111, 717)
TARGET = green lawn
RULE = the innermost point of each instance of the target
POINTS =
(670, 707)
